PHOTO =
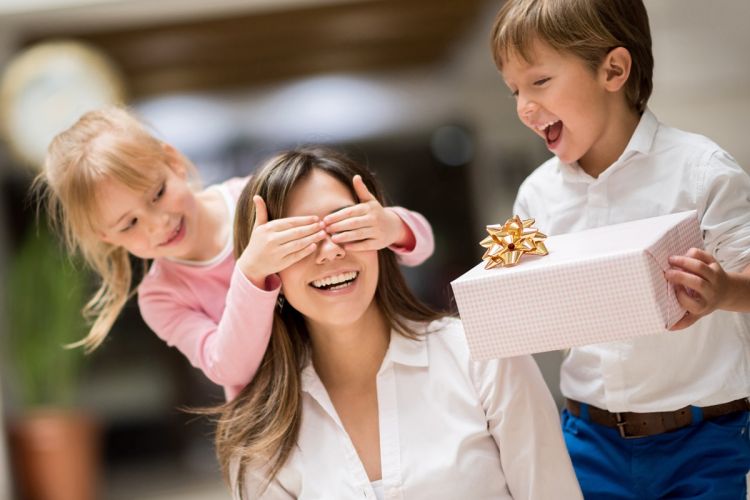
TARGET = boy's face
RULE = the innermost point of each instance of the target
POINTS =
(561, 100)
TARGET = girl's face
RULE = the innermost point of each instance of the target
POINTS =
(330, 287)
(561, 100)
(157, 222)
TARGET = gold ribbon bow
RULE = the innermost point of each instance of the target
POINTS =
(507, 243)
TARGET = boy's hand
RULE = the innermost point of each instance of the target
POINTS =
(276, 245)
(368, 225)
(701, 285)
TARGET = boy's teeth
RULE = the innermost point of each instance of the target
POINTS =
(544, 127)
(334, 280)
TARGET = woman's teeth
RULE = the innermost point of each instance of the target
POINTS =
(335, 282)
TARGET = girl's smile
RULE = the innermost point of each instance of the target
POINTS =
(177, 234)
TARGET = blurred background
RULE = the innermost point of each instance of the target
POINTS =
(407, 86)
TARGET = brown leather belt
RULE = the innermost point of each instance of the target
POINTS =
(635, 425)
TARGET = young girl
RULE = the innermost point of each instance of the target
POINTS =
(116, 190)
(364, 392)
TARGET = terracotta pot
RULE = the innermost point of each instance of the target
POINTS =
(56, 455)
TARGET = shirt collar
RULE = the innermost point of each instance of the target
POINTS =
(640, 142)
(644, 134)
(406, 351)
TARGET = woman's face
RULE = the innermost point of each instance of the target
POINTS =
(330, 287)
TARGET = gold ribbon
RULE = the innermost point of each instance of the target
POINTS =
(507, 243)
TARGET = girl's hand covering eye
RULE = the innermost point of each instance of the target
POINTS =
(367, 225)
(277, 244)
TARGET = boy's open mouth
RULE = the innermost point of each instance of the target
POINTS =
(553, 132)
(335, 282)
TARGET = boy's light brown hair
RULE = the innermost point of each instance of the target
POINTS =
(588, 29)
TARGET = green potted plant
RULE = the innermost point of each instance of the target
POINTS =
(53, 443)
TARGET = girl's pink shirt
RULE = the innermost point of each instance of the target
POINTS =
(217, 318)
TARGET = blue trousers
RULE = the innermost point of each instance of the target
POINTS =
(707, 460)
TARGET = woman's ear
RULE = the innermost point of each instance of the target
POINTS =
(175, 160)
(615, 68)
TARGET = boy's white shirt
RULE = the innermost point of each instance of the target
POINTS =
(449, 428)
(663, 170)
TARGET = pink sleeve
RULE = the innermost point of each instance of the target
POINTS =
(424, 241)
(229, 352)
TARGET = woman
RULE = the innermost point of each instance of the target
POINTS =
(365, 392)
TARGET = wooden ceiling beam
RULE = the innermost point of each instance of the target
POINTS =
(261, 47)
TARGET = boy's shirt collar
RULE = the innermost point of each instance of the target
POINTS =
(640, 142)
(643, 136)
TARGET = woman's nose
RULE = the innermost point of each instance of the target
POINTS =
(328, 250)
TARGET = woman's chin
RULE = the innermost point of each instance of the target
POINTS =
(340, 315)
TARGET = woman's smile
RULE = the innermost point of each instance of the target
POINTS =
(337, 283)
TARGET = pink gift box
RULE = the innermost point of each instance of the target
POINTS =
(599, 285)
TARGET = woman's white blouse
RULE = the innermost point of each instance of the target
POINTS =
(450, 428)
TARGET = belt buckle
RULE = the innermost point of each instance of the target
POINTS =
(621, 423)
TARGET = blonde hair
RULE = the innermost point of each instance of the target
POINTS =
(106, 143)
(588, 29)
(260, 427)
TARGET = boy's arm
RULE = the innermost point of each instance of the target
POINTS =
(702, 286)
(523, 420)
(738, 297)
(229, 352)
(718, 277)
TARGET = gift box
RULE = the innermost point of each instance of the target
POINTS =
(599, 285)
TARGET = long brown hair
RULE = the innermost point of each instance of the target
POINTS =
(260, 427)
(588, 29)
(105, 143)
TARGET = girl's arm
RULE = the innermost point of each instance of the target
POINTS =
(370, 226)
(523, 420)
(424, 242)
(229, 352)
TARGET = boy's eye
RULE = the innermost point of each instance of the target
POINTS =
(541, 81)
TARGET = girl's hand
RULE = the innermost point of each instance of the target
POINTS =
(700, 283)
(368, 225)
(278, 244)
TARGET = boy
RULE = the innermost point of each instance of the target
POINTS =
(662, 415)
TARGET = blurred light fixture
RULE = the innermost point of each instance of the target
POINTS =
(325, 109)
(46, 87)
(196, 125)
